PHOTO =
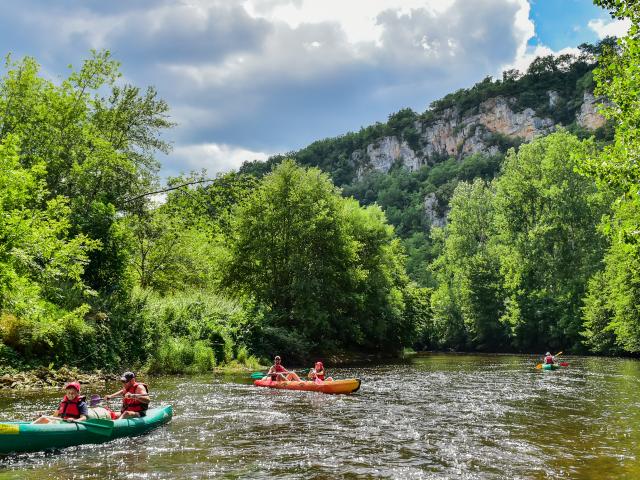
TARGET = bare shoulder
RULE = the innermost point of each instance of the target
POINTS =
(140, 389)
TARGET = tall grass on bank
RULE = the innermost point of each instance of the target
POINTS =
(192, 332)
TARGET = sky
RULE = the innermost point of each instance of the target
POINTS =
(246, 79)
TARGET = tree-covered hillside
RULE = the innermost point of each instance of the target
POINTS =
(415, 199)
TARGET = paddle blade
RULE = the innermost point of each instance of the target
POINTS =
(257, 375)
(539, 366)
(98, 426)
(558, 354)
(564, 364)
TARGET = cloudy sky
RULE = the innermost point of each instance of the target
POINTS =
(249, 78)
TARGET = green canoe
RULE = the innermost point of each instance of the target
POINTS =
(549, 366)
(18, 437)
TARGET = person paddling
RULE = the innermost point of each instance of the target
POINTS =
(72, 408)
(136, 397)
(317, 373)
(549, 359)
(278, 373)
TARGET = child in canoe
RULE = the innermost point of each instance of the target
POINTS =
(99, 411)
(278, 373)
(72, 408)
(317, 373)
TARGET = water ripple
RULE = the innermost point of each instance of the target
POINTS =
(440, 416)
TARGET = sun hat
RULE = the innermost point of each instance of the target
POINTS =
(75, 385)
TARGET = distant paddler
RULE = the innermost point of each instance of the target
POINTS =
(317, 373)
(278, 373)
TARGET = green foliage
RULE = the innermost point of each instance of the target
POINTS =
(193, 332)
(612, 317)
(419, 314)
(546, 216)
(93, 272)
(69, 160)
(181, 355)
(401, 194)
(517, 255)
(56, 334)
(328, 272)
(42, 294)
(467, 304)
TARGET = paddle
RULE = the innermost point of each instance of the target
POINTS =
(259, 375)
(98, 426)
(99, 399)
(539, 366)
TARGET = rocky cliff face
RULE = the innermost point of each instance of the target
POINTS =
(459, 134)
(588, 116)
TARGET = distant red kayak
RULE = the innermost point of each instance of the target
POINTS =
(336, 386)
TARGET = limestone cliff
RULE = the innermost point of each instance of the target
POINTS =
(458, 134)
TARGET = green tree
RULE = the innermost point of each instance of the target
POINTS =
(467, 304)
(612, 317)
(89, 155)
(98, 151)
(546, 219)
(42, 295)
(327, 271)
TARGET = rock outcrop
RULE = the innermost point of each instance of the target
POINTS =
(458, 134)
(588, 116)
(431, 211)
(389, 150)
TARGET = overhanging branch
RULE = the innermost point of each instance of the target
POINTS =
(168, 189)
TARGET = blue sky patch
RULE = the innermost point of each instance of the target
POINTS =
(564, 23)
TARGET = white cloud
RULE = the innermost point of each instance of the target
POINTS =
(357, 18)
(615, 28)
(247, 76)
(213, 157)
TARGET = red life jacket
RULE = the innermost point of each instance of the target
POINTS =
(317, 368)
(548, 360)
(278, 369)
(133, 404)
(70, 408)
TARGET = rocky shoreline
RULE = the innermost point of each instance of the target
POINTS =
(47, 378)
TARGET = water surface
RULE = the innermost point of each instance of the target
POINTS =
(436, 416)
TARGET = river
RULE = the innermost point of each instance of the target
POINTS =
(434, 416)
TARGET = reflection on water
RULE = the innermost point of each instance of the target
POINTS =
(440, 416)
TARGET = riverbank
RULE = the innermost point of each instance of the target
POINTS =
(42, 378)
(55, 378)
(48, 378)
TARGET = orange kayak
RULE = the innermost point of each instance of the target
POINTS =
(336, 386)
